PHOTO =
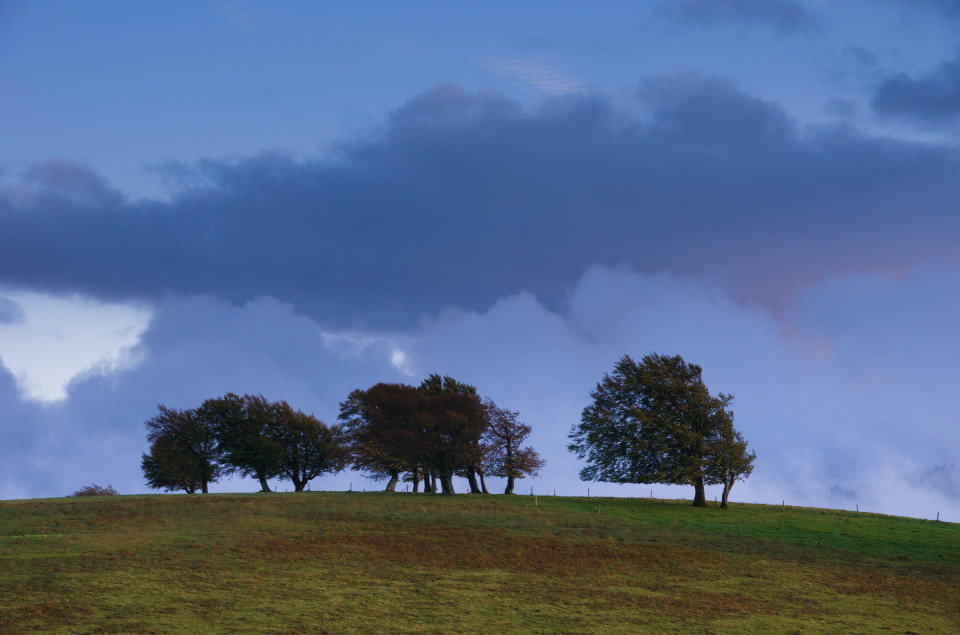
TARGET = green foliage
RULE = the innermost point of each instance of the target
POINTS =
(247, 435)
(352, 563)
(184, 452)
(656, 422)
(243, 429)
(309, 447)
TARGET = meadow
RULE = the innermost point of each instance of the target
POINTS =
(342, 562)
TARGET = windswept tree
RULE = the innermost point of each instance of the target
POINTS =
(450, 425)
(384, 441)
(504, 455)
(309, 448)
(243, 427)
(432, 431)
(732, 460)
(656, 422)
(470, 450)
(166, 467)
(184, 452)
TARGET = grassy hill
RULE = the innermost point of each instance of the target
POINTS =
(407, 563)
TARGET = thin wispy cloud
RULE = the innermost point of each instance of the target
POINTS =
(537, 74)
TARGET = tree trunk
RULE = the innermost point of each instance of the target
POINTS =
(263, 483)
(204, 485)
(416, 481)
(433, 482)
(392, 484)
(726, 492)
(509, 489)
(446, 482)
(699, 497)
(483, 483)
(472, 480)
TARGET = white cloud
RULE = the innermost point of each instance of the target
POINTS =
(56, 339)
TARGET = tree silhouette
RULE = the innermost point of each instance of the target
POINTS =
(184, 452)
(656, 422)
(504, 456)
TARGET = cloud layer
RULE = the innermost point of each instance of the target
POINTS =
(461, 198)
(830, 402)
(786, 17)
(930, 99)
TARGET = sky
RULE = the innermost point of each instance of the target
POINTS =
(303, 199)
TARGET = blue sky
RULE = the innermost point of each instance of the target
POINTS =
(304, 199)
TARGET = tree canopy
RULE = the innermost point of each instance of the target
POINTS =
(245, 435)
(395, 428)
(656, 422)
(435, 431)
(504, 456)
(184, 452)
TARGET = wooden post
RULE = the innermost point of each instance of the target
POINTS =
(783, 505)
(858, 508)
(588, 492)
(351, 487)
(554, 491)
(651, 493)
(535, 503)
(598, 510)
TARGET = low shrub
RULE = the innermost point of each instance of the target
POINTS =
(95, 490)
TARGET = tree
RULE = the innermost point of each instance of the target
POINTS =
(655, 422)
(450, 426)
(733, 462)
(471, 419)
(243, 428)
(503, 456)
(184, 453)
(384, 441)
(432, 431)
(309, 447)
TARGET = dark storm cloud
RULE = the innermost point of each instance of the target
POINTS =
(785, 16)
(460, 199)
(929, 99)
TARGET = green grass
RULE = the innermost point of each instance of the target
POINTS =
(405, 563)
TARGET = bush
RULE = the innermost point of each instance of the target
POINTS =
(95, 490)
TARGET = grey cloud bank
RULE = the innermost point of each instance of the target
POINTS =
(931, 99)
(461, 198)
